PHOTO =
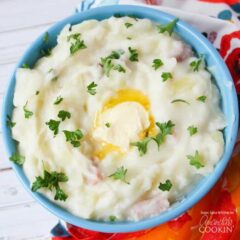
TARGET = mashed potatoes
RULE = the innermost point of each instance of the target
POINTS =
(119, 121)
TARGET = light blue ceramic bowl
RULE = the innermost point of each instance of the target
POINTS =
(229, 106)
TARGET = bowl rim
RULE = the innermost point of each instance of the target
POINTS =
(172, 213)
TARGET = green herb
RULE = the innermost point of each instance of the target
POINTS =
(27, 113)
(119, 68)
(54, 79)
(133, 54)
(91, 88)
(202, 99)
(74, 137)
(129, 38)
(51, 180)
(9, 122)
(128, 25)
(157, 63)
(58, 100)
(112, 218)
(192, 130)
(17, 158)
(107, 125)
(196, 64)
(120, 174)
(25, 65)
(169, 27)
(164, 130)
(179, 100)
(53, 125)
(46, 52)
(195, 160)
(142, 145)
(37, 92)
(64, 114)
(166, 76)
(76, 43)
(50, 70)
(165, 186)
(46, 37)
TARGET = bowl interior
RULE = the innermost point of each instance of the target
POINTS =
(222, 79)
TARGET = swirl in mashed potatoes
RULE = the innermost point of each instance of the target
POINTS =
(118, 121)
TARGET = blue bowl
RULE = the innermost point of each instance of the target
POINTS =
(229, 106)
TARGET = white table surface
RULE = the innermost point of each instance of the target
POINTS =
(21, 21)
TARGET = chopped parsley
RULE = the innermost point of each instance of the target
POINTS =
(54, 79)
(37, 92)
(129, 38)
(27, 113)
(25, 65)
(157, 63)
(142, 145)
(46, 52)
(202, 99)
(46, 37)
(196, 64)
(91, 88)
(112, 218)
(179, 100)
(165, 186)
(107, 125)
(169, 27)
(166, 75)
(74, 137)
(9, 122)
(133, 54)
(164, 130)
(76, 43)
(192, 130)
(58, 100)
(120, 174)
(53, 125)
(128, 25)
(195, 160)
(64, 114)
(17, 158)
(51, 180)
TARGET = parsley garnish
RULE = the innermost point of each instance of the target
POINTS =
(142, 145)
(64, 114)
(37, 92)
(166, 75)
(202, 99)
(192, 130)
(25, 65)
(27, 113)
(119, 68)
(165, 186)
(74, 137)
(196, 64)
(164, 130)
(195, 160)
(112, 218)
(179, 100)
(17, 158)
(107, 125)
(128, 25)
(46, 37)
(9, 122)
(133, 54)
(120, 174)
(53, 125)
(129, 38)
(51, 181)
(157, 63)
(76, 43)
(46, 52)
(169, 27)
(91, 88)
(58, 100)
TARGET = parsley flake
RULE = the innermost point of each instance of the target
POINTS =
(142, 145)
(195, 160)
(91, 88)
(46, 37)
(9, 122)
(179, 100)
(46, 52)
(51, 180)
(17, 158)
(202, 99)
(192, 130)
(25, 65)
(63, 115)
(76, 43)
(120, 174)
(37, 92)
(27, 113)
(74, 137)
(165, 186)
(133, 54)
(157, 63)
(58, 100)
(112, 218)
(128, 25)
(169, 27)
(166, 75)
(108, 125)
(53, 125)
(197, 63)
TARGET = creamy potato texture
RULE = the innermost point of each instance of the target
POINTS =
(129, 114)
